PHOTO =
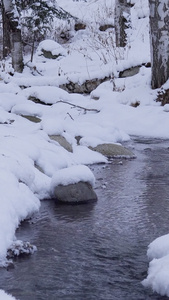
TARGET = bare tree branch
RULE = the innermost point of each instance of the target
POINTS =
(78, 106)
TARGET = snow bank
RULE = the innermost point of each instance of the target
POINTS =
(158, 276)
(159, 247)
(158, 272)
(17, 203)
(4, 296)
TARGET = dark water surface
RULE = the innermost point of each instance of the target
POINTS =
(98, 251)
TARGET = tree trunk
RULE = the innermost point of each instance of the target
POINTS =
(122, 15)
(6, 36)
(15, 35)
(159, 41)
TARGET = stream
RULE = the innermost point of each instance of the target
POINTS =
(98, 251)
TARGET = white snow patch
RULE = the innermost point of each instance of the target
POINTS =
(4, 296)
(158, 274)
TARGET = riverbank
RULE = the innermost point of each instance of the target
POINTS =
(98, 251)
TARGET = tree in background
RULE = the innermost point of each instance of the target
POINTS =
(36, 17)
(11, 23)
(159, 40)
(6, 36)
(122, 20)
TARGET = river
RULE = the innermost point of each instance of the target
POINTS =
(97, 251)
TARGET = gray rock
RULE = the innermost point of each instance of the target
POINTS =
(129, 72)
(78, 193)
(113, 150)
(32, 118)
(62, 141)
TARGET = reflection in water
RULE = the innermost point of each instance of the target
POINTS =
(98, 251)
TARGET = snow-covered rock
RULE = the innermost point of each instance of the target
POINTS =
(19, 247)
(77, 193)
(72, 175)
(73, 185)
(50, 49)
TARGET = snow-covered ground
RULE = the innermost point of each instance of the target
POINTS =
(26, 147)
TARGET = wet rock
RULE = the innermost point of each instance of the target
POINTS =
(62, 141)
(77, 193)
(113, 150)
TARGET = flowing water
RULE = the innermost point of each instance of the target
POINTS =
(97, 251)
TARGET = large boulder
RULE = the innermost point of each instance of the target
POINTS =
(113, 150)
(73, 185)
(77, 193)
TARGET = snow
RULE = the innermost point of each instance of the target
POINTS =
(31, 163)
(5, 296)
(158, 254)
(46, 94)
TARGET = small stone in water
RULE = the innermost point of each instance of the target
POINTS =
(19, 247)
